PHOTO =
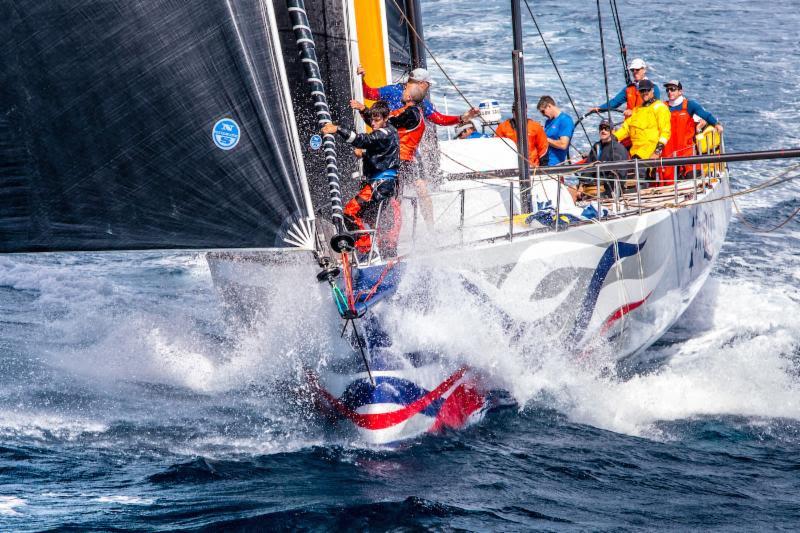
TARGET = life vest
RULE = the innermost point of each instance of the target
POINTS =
(647, 126)
(709, 141)
(537, 139)
(632, 97)
(409, 138)
(681, 142)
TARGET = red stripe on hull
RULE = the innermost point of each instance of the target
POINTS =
(457, 408)
(619, 313)
(385, 420)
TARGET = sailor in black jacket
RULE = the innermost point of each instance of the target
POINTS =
(608, 148)
(381, 158)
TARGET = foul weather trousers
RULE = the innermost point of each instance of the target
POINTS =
(361, 213)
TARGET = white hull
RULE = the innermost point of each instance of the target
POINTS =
(626, 279)
(620, 284)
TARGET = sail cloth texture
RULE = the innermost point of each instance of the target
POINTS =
(106, 115)
(399, 36)
(328, 21)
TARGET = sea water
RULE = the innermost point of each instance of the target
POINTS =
(127, 403)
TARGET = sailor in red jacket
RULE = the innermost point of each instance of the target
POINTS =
(683, 129)
(393, 94)
(408, 119)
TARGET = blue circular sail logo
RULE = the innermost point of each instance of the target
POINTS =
(226, 134)
(315, 142)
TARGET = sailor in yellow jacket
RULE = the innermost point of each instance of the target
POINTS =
(649, 125)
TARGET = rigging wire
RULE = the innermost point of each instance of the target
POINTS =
(449, 79)
(605, 67)
(623, 50)
(428, 50)
(558, 72)
(762, 230)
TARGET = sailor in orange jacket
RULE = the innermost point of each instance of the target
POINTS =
(537, 139)
(683, 129)
(629, 95)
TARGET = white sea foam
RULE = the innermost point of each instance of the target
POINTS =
(743, 365)
(737, 354)
(9, 505)
(732, 363)
(40, 425)
(124, 500)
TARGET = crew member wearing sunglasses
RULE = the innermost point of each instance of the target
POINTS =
(608, 148)
(683, 128)
(648, 127)
(629, 95)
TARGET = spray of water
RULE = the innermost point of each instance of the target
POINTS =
(115, 329)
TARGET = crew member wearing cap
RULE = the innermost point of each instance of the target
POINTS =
(630, 94)
(683, 127)
(394, 95)
(468, 131)
(648, 127)
(608, 148)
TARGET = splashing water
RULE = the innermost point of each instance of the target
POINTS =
(126, 400)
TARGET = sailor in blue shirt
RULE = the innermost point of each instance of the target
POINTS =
(558, 128)
(629, 95)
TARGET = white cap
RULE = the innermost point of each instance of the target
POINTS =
(637, 64)
(461, 128)
(421, 75)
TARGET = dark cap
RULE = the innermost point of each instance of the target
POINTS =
(645, 85)
(605, 123)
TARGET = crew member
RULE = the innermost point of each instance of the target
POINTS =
(380, 153)
(558, 127)
(608, 148)
(468, 131)
(393, 94)
(410, 124)
(648, 127)
(629, 95)
(683, 127)
(537, 139)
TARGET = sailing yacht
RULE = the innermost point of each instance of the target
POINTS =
(612, 283)
(193, 125)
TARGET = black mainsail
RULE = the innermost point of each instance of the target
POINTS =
(406, 46)
(133, 125)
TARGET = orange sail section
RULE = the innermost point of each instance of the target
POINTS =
(373, 48)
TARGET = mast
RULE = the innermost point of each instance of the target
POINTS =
(416, 38)
(305, 43)
(521, 110)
